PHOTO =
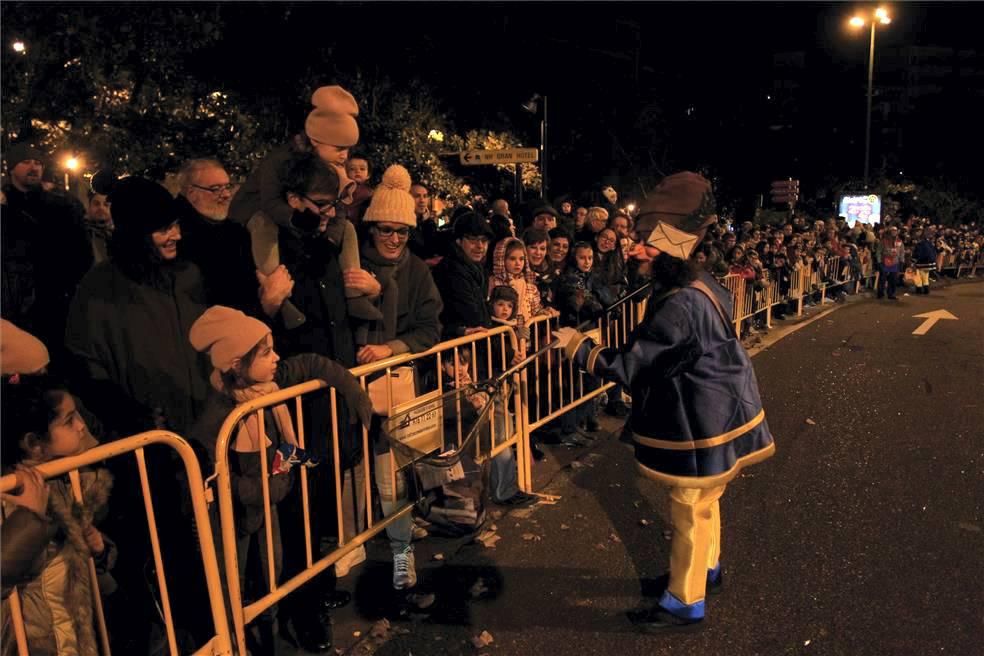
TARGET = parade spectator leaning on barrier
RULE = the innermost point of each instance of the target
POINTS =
(246, 366)
(461, 278)
(317, 287)
(411, 306)
(41, 423)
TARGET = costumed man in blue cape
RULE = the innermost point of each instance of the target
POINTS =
(697, 418)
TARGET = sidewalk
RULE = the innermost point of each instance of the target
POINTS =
(477, 588)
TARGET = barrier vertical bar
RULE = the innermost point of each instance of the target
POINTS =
(305, 502)
(155, 546)
(265, 487)
(73, 477)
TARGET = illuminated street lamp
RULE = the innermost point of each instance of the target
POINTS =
(878, 17)
(71, 165)
(19, 47)
(436, 136)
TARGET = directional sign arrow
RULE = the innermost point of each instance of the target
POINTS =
(930, 320)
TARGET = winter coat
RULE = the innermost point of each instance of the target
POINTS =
(409, 301)
(56, 599)
(221, 250)
(924, 255)
(464, 290)
(524, 283)
(247, 487)
(46, 252)
(890, 254)
(595, 296)
(130, 340)
(320, 294)
(611, 271)
(264, 190)
(697, 415)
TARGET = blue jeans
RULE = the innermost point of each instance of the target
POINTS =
(503, 477)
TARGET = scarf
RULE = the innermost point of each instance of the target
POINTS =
(389, 298)
(247, 438)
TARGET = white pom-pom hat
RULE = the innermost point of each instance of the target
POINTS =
(391, 201)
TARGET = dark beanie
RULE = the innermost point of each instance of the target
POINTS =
(21, 152)
(141, 206)
(469, 224)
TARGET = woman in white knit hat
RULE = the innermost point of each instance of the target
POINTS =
(410, 306)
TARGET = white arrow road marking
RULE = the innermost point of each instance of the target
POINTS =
(930, 320)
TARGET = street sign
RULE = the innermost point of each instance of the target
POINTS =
(785, 192)
(504, 156)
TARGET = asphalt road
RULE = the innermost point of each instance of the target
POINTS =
(863, 535)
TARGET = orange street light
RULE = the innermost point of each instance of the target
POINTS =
(879, 16)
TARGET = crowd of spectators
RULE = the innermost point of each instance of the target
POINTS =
(156, 311)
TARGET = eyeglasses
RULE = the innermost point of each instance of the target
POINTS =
(481, 239)
(606, 240)
(386, 232)
(216, 189)
(324, 206)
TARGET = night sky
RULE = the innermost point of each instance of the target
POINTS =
(637, 89)
(599, 62)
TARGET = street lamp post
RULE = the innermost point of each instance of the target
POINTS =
(880, 15)
(531, 107)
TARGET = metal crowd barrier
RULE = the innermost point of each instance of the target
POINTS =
(220, 644)
(488, 347)
(553, 385)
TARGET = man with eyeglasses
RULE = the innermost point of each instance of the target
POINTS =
(221, 248)
(461, 278)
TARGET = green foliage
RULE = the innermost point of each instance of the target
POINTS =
(397, 124)
(117, 89)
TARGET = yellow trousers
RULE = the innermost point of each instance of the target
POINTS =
(696, 545)
(922, 277)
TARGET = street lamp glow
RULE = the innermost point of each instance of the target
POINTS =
(72, 163)
(436, 135)
(878, 16)
(19, 46)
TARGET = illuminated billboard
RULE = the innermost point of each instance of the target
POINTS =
(865, 208)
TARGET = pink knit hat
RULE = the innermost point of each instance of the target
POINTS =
(332, 121)
(226, 334)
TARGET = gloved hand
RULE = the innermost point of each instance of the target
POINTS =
(568, 339)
